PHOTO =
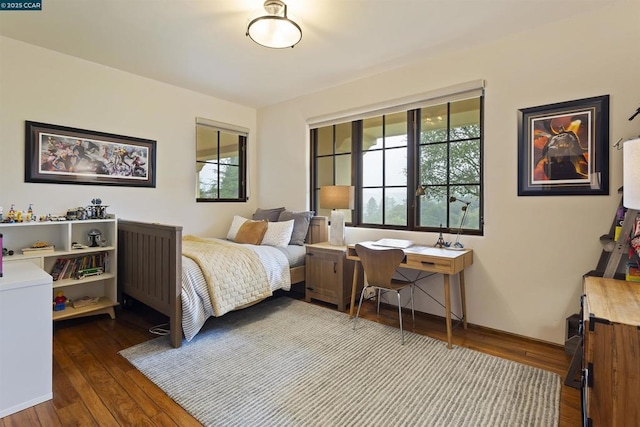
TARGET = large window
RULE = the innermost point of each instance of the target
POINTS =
(220, 162)
(435, 149)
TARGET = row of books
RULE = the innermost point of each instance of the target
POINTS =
(79, 267)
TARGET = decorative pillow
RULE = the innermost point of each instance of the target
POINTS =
(278, 234)
(235, 226)
(270, 215)
(300, 225)
(251, 232)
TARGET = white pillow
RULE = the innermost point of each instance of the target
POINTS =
(278, 234)
(235, 226)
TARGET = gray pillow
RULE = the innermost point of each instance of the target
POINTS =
(301, 221)
(270, 215)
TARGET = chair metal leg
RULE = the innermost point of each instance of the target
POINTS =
(355, 319)
(413, 313)
(379, 293)
(400, 316)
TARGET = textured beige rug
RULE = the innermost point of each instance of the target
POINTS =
(284, 362)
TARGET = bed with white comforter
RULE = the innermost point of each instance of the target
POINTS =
(219, 276)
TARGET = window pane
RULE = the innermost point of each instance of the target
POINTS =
(325, 140)
(433, 208)
(343, 169)
(433, 124)
(465, 119)
(468, 193)
(396, 166)
(465, 162)
(229, 182)
(395, 130)
(372, 168)
(395, 209)
(206, 144)
(207, 180)
(433, 164)
(229, 149)
(343, 138)
(372, 206)
(324, 172)
(372, 133)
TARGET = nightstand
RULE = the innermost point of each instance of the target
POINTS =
(328, 274)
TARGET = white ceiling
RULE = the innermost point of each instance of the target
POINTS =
(201, 44)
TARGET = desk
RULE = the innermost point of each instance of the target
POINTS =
(425, 258)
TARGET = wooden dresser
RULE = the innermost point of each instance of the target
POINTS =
(611, 364)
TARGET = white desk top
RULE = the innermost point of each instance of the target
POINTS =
(22, 274)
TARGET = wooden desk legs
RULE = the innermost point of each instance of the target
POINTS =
(354, 287)
(463, 299)
(447, 306)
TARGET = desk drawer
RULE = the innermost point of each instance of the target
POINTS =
(428, 263)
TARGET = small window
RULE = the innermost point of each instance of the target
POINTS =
(220, 162)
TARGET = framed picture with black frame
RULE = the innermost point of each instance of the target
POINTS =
(64, 155)
(563, 148)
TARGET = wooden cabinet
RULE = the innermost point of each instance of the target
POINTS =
(25, 337)
(62, 235)
(611, 364)
(328, 274)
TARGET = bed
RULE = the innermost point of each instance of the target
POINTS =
(152, 267)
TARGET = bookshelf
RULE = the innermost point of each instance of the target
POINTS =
(62, 235)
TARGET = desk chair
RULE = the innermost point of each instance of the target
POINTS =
(379, 266)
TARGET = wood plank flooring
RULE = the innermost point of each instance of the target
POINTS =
(94, 386)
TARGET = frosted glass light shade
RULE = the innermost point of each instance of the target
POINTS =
(631, 174)
(274, 30)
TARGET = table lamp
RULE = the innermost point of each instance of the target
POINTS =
(457, 245)
(336, 197)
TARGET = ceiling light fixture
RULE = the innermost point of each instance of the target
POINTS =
(274, 30)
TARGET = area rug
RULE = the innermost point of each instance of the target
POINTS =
(285, 362)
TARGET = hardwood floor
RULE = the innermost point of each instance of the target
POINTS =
(94, 386)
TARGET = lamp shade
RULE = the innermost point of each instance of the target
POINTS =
(631, 174)
(336, 197)
(274, 30)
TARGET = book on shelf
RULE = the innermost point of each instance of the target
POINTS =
(79, 267)
(39, 249)
(84, 301)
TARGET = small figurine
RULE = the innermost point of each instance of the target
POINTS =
(60, 302)
(440, 243)
(11, 216)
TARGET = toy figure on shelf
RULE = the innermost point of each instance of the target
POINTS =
(60, 302)
(11, 216)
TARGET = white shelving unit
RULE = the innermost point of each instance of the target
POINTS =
(62, 234)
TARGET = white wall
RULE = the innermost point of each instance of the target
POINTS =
(45, 86)
(526, 277)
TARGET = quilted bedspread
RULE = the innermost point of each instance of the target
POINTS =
(234, 274)
(220, 276)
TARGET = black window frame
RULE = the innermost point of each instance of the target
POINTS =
(242, 167)
(413, 201)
